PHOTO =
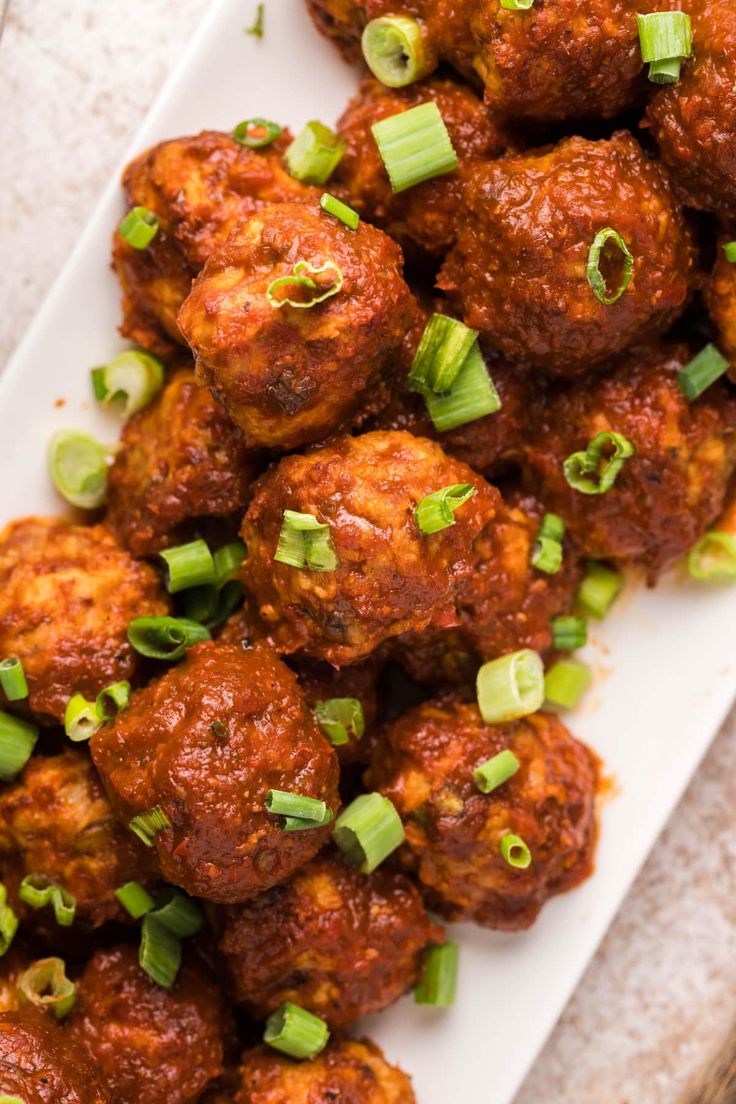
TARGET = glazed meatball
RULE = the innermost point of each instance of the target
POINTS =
(41, 1065)
(199, 188)
(204, 744)
(289, 375)
(390, 577)
(12, 964)
(518, 270)
(424, 216)
(180, 459)
(347, 1071)
(56, 821)
(720, 298)
(153, 1045)
(453, 832)
(67, 593)
(694, 120)
(339, 943)
(674, 485)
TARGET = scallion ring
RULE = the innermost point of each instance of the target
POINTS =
(414, 146)
(472, 395)
(146, 826)
(517, 5)
(8, 922)
(296, 1032)
(346, 215)
(665, 38)
(515, 851)
(595, 277)
(256, 133)
(13, 679)
(713, 558)
(113, 699)
(395, 50)
(188, 565)
(38, 891)
(300, 280)
(339, 719)
(314, 154)
(569, 633)
(306, 543)
(703, 370)
(443, 349)
(368, 831)
(565, 683)
(599, 589)
(547, 550)
(729, 251)
(45, 985)
(300, 812)
(135, 899)
(510, 687)
(139, 227)
(437, 511)
(17, 741)
(495, 771)
(81, 718)
(178, 913)
(78, 468)
(129, 382)
(594, 470)
(438, 984)
(165, 637)
(159, 954)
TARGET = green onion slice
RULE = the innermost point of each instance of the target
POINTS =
(438, 985)
(8, 922)
(394, 51)
(38, 891)
(593, 273)
(598, 590)
(414, 146)
(129, 382)
(293, 284)
(565, 683)
(300, 812)
(515, 852)
(256, 133)
(340, 718)
(81, 718)
(178, 913)
(306, 543)
(5, 1098)
(188, 565)
(569, 633)
(595, 470)
(729, 250)
(45, 985)
(703, 370)
(147, 825)
(471, 396)
(78, 468)
(495, 771)
(228, 560)
(340, 210)
(666, 71)
(510, 687)
(442, 351)
(437, 510)
(368, 830)
(139, 227)
(165, 637)
(13, 679)
(113, 699)
(517, 5)
(314, 154)
(257, 27)
(665, 38)
(547, 550)
(136, 900)
(159, 954)
(296, 1032)
(713, 557)
(17, 741)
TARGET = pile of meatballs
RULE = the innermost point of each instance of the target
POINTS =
(558, 132)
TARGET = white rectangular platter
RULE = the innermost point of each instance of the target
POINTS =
(666, 659)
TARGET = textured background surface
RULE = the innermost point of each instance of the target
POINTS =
(76, 78)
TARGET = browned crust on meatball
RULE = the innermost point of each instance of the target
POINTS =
(720, 299)
(41, 1064)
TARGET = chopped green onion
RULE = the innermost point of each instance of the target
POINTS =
(296, 1032)
(5, 1098)
(442, 351)
(340, 210)
(228, 560)
(438, 984)
(45, 985)
(394, 51)
(147, 825)
(299, 280)
(257, 27)
(113, 699)
(414, 146)
(666, 71)
(8, 922)
(569, 633)
(729, 250)
(17, 741)
(188, 565)
(713, 557)
(598, 590)
(159, 954)
(593, 273)
(220, 731)
(495, 771)
(437, 510)
(703, 370)
(510, 687)
(78, 468)
(136, 900)
(368, 831)
(165, 637)
(212, 605)
(178, 913)
(139, 227)
(665, 39)
(314, 154)
(565, 683)
(38, 891)
(81, 718)
(305, 542)
(129, 382)
(256, 133)
(13, 679)
(517, 5)
(547, 551)
(300, 812)
(515, 852)
(471, 396)
(340, 718)
(593, 471)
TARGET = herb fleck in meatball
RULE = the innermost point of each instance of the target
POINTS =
(205, 743)
(41, 1065)
(453, 832)
(720, 297)
(340, 943)
(390, 577)
(153, 1045)
(67, 593)
(518, 270)
(288, 374)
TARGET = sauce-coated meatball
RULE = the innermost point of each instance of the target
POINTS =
(720, 298)
(181, 459)
(56, 821)
(347, 1071)
(340, 943)
(670, 490)
(12, 964)
(67, 593)
(153, 1045)
(41, 1065)
(518, 270)
(390, 577)
(454, 832)
(287, 374)
(205, 743)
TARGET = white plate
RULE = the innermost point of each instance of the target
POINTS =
(665, 658)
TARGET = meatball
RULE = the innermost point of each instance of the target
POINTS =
(180, 459)
(454, 832)
(425, 216)
(332, 940)
(199, 188)
(518, 270)
(55, 821)
(41, 1065)
(204, 744)
(289, 375)
(720, 298)
(12, 964)
(390, 577)
(671, 489)
(153, 1045)
(69, 593)
(694, 120)
(347, 1071)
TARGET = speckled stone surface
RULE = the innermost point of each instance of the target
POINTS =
(76, 77)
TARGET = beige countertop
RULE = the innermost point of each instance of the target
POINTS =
(76, 77)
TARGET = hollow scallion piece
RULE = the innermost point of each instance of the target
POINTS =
(569, 633)
(45, 985)
(306, 543)
(78, 468)
(38, 891)
(599, 589)
(227, 561)
(178, 913)
(565, 683)
(438, 984)
(729, 251)
(443, 349)
(113, 699)
(703, 370)
(81, 718)
(515, 852)
(159, 954)
(256, 133)
(188, 565)
(713, 558)
(139, 227)
(665, 38)
(129, 382)
(165, 637)
(17, 741)
(495, 771)
(212, 605)
(511, 686)
(296, 1032)
(595, 277)
(340, 718)
(594, 470)
(146, 826)
(13, 679)
(8, 922)
(394, 50)
(300, 812)
(346, 215)
(471, 396)
(368, 830)
(414, 146)
(135, 899)
(547, 550)
(314, 154)
(437, 510)
(283, 291)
